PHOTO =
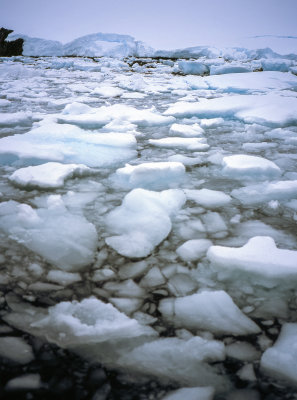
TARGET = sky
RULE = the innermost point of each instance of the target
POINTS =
(163, 24)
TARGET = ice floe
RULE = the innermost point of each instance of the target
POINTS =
(240, 166)
(49, 175)
(192, 144)
(212, 311)
(258, 256)
(67, 240)
(143, 221)
(270, 109)
(154, 175)
(68, 144)
(280, 359)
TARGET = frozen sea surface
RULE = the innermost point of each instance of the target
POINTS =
(148, 212)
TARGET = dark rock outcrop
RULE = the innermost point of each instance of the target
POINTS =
(8, 49)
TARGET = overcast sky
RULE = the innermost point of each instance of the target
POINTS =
(160, 23)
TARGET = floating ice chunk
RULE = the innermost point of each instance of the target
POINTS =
(192, 144)
(271, 109)
(108, 91)
(208, 198)
(193, 68)
(49, 175)
(68, 144)
(133, 95)
(126, 305)
(211, 311)
(143, 221)
(213, 222)
(19, 118)
(228, 69)
(258, 256)
(194, 393)
(186, 130)
(67, 240)
(76, 108)
(182, 284)
(187, 161)
(105, 114)
(280, 360)
(211, 122)
(24, 382)
(4, 102)
(247, 373)
(126, 288)
(251, 81)
(179, 360)
(63, 277)
(16, 350)
(90, 321)
(153, 175)
(194, 249)
(243, 166)
(243, 351)
(265, 192)
(153, 278)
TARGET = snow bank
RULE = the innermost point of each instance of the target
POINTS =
(280, 360)
(143, 221)
(258, 256)
(64, 239)
(154, 175)
(212, 311)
